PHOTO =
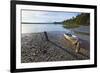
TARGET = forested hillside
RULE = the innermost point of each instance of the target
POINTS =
(81, 19)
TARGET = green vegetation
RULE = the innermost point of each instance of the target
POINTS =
(83, 33)
(81, 19)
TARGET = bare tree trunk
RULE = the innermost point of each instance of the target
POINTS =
(77, 47)
(46, 36)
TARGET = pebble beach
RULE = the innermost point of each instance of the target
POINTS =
(35, 48)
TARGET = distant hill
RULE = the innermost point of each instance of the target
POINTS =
(81, 19)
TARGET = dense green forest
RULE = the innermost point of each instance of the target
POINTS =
(81, 19)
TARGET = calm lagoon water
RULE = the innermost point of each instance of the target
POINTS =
(35, 28)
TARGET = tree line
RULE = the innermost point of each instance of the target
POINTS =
(81, 19)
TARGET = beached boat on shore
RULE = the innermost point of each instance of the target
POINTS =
(74, 41)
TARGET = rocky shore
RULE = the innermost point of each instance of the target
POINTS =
(35, 48)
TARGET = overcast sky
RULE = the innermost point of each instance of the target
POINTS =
(46, 16)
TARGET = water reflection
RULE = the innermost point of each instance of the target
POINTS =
(35, 28)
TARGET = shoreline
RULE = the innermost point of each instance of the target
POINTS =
(36, 49)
